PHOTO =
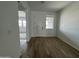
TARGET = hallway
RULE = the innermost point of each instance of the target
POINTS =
(46, 47)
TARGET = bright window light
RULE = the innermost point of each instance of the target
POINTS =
(22, 24)
(21, 14)
(49, 22)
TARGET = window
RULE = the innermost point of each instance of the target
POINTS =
(22, 24)
(49, 22)
(22, 35)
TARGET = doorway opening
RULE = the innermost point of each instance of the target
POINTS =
(22, 29)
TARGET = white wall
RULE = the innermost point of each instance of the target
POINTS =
(9, 34)
(37, 21)
(69, 25)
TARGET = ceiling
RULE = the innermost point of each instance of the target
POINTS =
(48, 5)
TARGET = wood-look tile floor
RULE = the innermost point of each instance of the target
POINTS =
(49, 47)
